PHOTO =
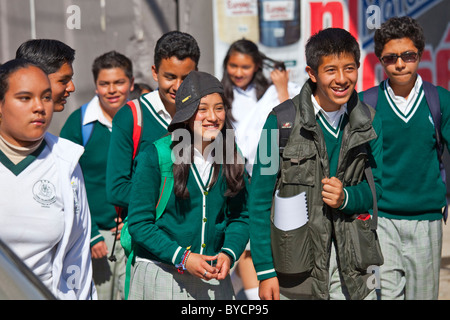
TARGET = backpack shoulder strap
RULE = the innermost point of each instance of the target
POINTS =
(165, 165)
(285, 113)
(86, 130)
(432, 97)
(135, 107)
(370, 96)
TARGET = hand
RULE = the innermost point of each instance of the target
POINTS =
(269, 289)
(99, 250)
(119, 228)
(223, 265)
(333, 192)
(280, 79)
(197, 264)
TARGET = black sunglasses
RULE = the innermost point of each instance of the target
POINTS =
(408, 56)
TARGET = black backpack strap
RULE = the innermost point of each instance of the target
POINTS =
(370, 96)
(285, 113)
(432, 97)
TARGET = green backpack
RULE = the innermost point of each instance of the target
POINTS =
(165, 190)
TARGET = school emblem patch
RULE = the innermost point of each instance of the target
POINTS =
(44, 192)
(287, 125)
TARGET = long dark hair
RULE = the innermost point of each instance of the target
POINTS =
(260, 81)
(233, 172)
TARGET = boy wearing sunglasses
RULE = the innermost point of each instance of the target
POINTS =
(410, 210)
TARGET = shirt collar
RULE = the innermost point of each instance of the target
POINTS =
(94, 113)
(332, 116)
(414, 91)
(157, 104)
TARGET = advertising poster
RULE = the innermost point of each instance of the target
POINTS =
(281, 28)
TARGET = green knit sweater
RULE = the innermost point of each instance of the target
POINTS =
(93, 164)
(412, 186)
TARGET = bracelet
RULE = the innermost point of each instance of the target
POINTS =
(182, 265)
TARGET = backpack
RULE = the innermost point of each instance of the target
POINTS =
(431, 95)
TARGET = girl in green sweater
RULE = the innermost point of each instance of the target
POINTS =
(188, 251)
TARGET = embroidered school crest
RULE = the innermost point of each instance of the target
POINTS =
(44, 192)
(286, 125)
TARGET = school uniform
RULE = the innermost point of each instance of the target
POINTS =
(207, 223)
(45, 217)
(109, 276)
(250, 114)
(120, 166)
(410, 210)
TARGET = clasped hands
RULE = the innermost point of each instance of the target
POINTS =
(200, 266)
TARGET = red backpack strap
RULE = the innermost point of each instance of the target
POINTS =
(137, 124)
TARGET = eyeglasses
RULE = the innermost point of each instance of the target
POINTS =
(408, 56)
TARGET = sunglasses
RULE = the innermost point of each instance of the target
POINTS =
(408, 56)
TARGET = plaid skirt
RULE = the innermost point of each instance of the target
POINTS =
(151, 280)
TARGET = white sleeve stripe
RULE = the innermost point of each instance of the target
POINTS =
(230, 251)
(265, 272)
(175, 255)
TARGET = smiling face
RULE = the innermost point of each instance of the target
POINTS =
(336, 79)
(241, 68)
(170, 75)
(401, 74)
(113, 88)
(62, 86)
(209, 119)
(27, 108)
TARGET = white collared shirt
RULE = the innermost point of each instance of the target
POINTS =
(405, 104)
(203, 165)
(333, 117)
(157, 104)
(94, 113)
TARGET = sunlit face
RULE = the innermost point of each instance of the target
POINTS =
(27, 108)
(336, 79)
(62, 86)
(241, 68)
(209, 118)
(169, 77)
(400, 73)
(113, 89)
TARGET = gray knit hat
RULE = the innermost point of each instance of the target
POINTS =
(194, 87)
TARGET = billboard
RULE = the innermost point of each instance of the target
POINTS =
(281, 28)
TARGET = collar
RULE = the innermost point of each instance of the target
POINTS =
(157, 104)
(414, 91)
(94, 113)
(332, 117)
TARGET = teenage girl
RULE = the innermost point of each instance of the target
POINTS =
(252, 96)
(43, 208)
(188, 251)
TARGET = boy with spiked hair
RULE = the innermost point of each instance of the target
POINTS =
(334, 137)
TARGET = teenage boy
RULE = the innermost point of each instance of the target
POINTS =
(56, 59)
(410, 223)
(113, 77)
(332, 138)
(176, 54)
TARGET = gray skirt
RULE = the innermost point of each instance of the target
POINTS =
(151, 280)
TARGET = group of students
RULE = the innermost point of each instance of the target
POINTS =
(196, 200)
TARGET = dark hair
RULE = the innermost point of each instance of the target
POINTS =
(397, 28)
(110, 60)
(327, 42)
(138, 88)
(246, 47)
(50, 54)
(233, 172)
(175, 43)
(10, 67)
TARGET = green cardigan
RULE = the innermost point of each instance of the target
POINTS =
(207, 222)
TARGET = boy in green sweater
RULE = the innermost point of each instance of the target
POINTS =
(113, 76)
(176, 54)
(333, 137)
(410, 224)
